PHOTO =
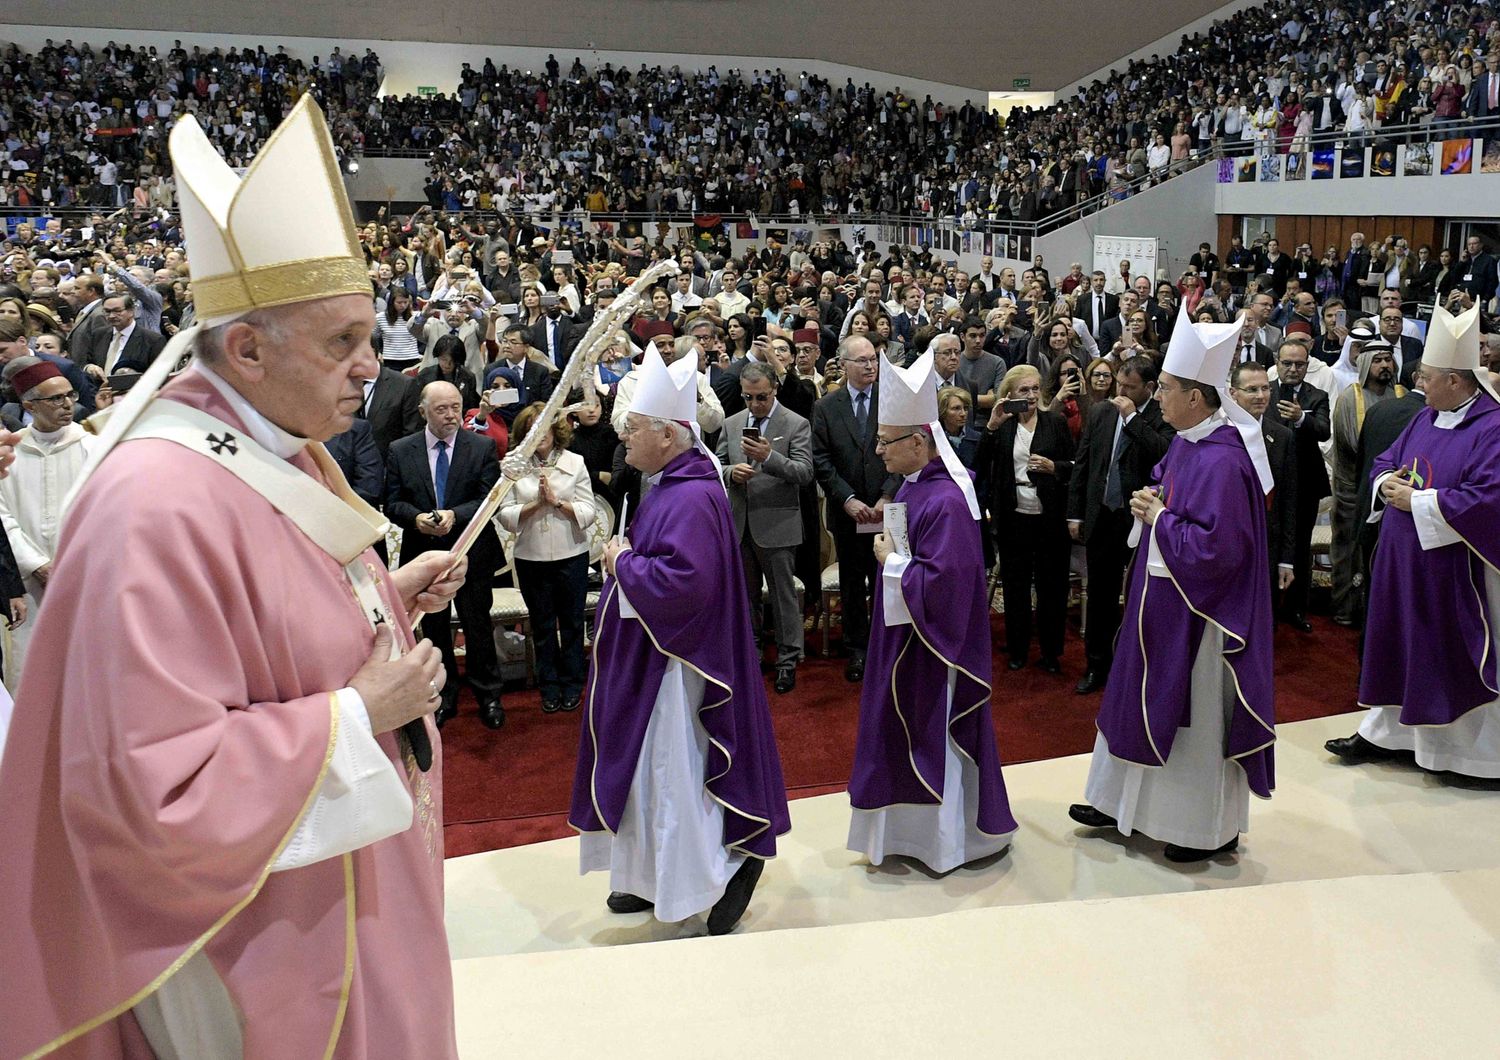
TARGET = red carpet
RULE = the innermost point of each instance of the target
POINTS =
(513, 787)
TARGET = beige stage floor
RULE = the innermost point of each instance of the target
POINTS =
(1327, 822)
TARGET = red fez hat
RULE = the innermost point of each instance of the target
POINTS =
(1299, 327)
(805, 336)
(33, 376)
(653, 328)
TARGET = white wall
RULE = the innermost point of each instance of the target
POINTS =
(1162, 46)
(409, 64)
(1179, 214)
(1472, 194)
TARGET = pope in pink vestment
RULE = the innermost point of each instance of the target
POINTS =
(175, 722)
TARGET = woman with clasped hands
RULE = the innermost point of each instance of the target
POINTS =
(550, 510)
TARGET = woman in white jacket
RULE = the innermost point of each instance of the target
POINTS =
(551, 510)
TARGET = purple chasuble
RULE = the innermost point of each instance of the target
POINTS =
(899, 756)
(683, 575)
(1429, 634)
(1212, 538)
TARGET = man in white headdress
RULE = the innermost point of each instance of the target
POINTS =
(215, 824)
(1429, 674)
(678, 794)
(927, 781)
(1187, 724)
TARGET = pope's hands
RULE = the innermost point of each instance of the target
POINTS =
(1396, 492)
(1146, 505)
(396, 691)
(428, 582)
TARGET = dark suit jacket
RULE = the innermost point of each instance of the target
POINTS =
(1411, 356)
(1264, 355)
(1085, 305)
(11, 585)
(570, 334)
(1383, 425)
(1478, 103)
(1147, 436)
(1358, 271)
(359, 458)
(1422, 284)
(468, 386)
(138, 353)
(1482, 269)
(1052, 440)
(1282, 518)
(473, 469)
(844, 465)
(539, 384)
(393, 411)
(1312, 472)
(1110, 332)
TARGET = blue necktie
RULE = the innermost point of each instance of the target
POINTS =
(440, 472)
(1114, 491)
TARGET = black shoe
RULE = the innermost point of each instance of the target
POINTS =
(1299, 623)
(1357, 749)
(727, 910)
(1048, 665)
(786, 679)
(1086, 815)
(1185, 855)
(447, 708)
(1017, 662)
(551, 706)
(1091, 681)
(491, 713)
(1463, 780)
(854, 671)
(567, 703)
(620, 902)
(1347, 623)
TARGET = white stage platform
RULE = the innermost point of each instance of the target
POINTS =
(1384, 906)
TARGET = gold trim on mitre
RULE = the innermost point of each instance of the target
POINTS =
(282, 234)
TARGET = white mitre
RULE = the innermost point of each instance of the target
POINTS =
(1204, 353)
(908, 397)
(670, 392)
(1453, 343)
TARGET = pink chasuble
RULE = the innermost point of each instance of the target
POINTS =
(175, 721)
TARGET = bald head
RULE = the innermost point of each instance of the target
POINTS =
(442, 408)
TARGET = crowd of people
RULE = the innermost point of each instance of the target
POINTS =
(86, 125)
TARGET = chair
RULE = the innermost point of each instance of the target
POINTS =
(1322, 546)
(829, 590)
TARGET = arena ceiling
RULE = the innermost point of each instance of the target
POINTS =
(984, 46)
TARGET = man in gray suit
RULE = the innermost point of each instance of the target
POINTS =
(766, 450)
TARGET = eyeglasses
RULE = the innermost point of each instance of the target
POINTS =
(864, 362)
(886, 443)
(747, 398)
(58, 399)
(1106, 376)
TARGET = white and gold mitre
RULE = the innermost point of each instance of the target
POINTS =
(282, 234)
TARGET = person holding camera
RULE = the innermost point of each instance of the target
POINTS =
(1029, 456)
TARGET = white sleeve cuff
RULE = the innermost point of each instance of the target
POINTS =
(896, 613)
(1377, 500)
(1156, 567)
(1433, 530)
(361, 801)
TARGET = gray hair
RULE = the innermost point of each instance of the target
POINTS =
(18, 365)
(681, 436)
(756, 370)
(686, 344)
(210, 345)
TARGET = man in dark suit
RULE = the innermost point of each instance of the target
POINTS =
(1122, 441)
(1095, 305)
(1354, 271)
(766, 450)
(435, 482)
(532, 381)
(1251, 388)
(857, 485)
(1484, 93)
(1421, 287)
(125, 344)
(359, 459)
(1383, 425)
(1145, 299)
(391, 407)
(1476, 272)
(555, 334)
(1111, 330)
(1250, 347)
(1304, 408)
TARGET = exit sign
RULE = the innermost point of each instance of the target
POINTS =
(425, 91)
(1020, 82)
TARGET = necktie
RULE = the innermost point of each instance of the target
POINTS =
(1493, 81)
(554, 331)
(1114, 490)
(440, 472)
(453, 331)
(113, 355)
(364, 406)
(860, 410)
(1098, 313)
(1248, 353)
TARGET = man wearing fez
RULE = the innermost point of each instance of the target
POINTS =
(678, 793)
(216, 834)
(1187, 724)
(927, 781)
(1432, 689)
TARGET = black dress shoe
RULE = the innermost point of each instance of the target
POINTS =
(447, 708)
(854, 671)
(1357, 749)
(1186, 855)
(1463, 780)
(491, 713)
(567, 703)
(551, 706)
(1086, 815)
(1051, 666)
(620, 902)
(786, 679)
(727, 910)
(1091, 681)
(1299, 623)
(1017, 662)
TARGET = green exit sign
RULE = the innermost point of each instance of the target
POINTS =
(424, 91)
(1020, 82)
